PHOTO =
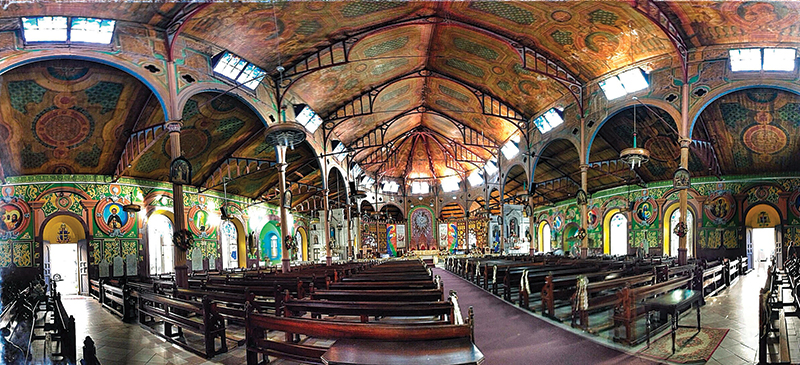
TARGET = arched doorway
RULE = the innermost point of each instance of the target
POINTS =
(159, 243)
(671, 223)
(763, 234)
(229, 235)
(301, 237)
(615, 233)
(545, 244)
(64, 237)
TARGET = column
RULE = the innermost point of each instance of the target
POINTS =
(327, 234)
(684, 142)
(534, 243)
(179, 256)
(584, 222)
(350, 243)
(280, 154)
(683, 196)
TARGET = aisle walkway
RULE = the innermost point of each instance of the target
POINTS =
(507, 335)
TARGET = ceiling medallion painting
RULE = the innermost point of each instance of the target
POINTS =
(764, 138)
(62, 129)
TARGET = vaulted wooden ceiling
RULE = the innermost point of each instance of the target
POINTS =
(446, 84)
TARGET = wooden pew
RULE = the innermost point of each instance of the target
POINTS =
(89, 352)
(117, 300)
(772, 325)
(533, 281)
(629, 308)
(709, 281)
(443, 336)
(400, 295)
(200, 318)
(442, 310)
(562, 288)
(64, 331)
(602, 295)
(94, 288)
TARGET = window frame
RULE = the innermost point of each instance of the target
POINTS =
(235, 80)
(68, 42)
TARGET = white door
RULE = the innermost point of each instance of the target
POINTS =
(64, 264)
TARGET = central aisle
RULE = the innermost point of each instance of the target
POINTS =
(508, 336)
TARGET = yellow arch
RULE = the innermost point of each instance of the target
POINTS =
(540, 236)
(607, 231)
(72, 224)
(754, 213)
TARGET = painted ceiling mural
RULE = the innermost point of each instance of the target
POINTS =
(213, 127)
(422, 66)
(726, 22)
(66, 117)
(753, 128)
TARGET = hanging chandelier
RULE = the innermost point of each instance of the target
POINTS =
(634, 156)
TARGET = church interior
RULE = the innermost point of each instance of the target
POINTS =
(392, 182)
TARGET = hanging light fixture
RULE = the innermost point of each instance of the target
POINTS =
(634, 156)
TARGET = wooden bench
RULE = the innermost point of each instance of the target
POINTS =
(257, 325)
(444, 311)
(772, 324)
(118, 300)
(201, 318)
(562, 288)
(602, 295)
(94, 288)
(400, 295)
(629, 308)
(63, 328)
(709, 281)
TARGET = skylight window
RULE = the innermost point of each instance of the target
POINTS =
(356, 170)
(238, 69)
(491, 167)
(779, 59)
(511, 148)
(625, 83)
(45, 29)
(549, 120)
(745, 59)
(307, 117)
(420, 187)
(390, 187)
(762, 59)
(339, 152)
(450, 184)
(367, 181)
(475, 178)
(91, 30)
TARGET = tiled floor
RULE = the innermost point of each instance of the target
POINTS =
(735, 308)
(118, 342)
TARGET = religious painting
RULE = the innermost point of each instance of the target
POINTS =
(452, 236)
(558, 222)
(15, 216)
(180, 171)
(199, 222)
(794, 203)
(495, 237)
(681, 179)
(442, 236)
(513, 228)
(401, 235)
(645, 211)
(111, 218)
(763, 219)
(720, 207)
(592, 217)
(422, 237)
(581, 198)
(287, 199)
(391, 239)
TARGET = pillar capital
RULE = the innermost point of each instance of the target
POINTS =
(685, 142)
(584, 167)
(174, 126)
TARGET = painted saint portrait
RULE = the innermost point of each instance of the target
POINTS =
(11, 218)
(513, 228)
(112, 219)
(645, 211)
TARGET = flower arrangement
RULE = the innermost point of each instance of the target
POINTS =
(680, 229)
(183, 239)
(290, 243)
